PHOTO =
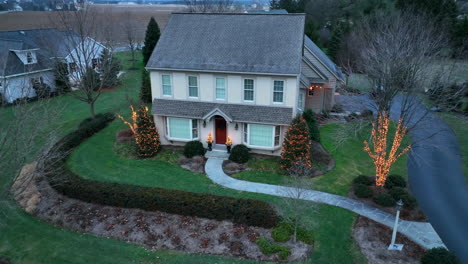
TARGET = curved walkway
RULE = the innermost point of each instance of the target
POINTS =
(420, 232)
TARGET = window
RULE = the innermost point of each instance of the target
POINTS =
(248, 89)
(166, 84)
(193, 86)
(261, 135)
(72, 66)
(300, 100)
(220, 88)
(277, 135)
(181, 128)
(310, 92)
(278, 88)
(94, 63)
(29, 57)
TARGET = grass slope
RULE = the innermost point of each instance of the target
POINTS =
(25, 239)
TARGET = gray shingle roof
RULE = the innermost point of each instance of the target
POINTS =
(322, 56)
(251, 43)
(237, 112)
(50, 42)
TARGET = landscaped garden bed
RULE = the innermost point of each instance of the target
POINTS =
(373, 239)
(385, 198)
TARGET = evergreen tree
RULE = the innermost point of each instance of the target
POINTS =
(460, 38)
(309, 117)
(443, 11)
(296, 145)
(311, 30)
(335, 43)
(110, 67)
(146, 136)
(62, 82)
(151, 39)
(145, 91)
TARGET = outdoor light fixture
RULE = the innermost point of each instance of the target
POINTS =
(204, 123)
(236, 127)
(392, 245)
(313, 87)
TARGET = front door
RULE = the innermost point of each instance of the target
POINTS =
(220, 133)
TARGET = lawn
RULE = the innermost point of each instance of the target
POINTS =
(25, 239)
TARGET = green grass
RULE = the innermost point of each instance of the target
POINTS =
(359, 81)
(459, 125)
(25, 239)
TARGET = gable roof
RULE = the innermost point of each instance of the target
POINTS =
(49, 42)
(323, 57)
(232, 112)
(244, 43)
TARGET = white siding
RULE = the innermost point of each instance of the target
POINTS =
(20, 86)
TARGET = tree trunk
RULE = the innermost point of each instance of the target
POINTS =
(91, 108)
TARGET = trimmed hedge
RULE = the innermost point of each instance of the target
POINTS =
(241, 211)
(363, 191)
(194, 148)
(439, 255)
(395, 181)
(268, 248)
(363, 179)
(384, 199)
(240, 154)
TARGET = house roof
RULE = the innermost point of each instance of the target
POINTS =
(323, 57)
(245, 43)
(235, 112)
(49, 42)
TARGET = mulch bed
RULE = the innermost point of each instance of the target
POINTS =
(373, 239)
(153, 230)
(415, 214)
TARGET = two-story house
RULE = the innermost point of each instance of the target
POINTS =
(27, 57)
(243, 76)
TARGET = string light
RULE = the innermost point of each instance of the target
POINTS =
(382, 161)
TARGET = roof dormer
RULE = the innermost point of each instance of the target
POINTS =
(27, 57)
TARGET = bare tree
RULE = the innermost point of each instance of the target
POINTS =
(83, 53)
(209, 6)
(129, 28)
(295, 197)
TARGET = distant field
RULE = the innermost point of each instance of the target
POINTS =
(114, 15)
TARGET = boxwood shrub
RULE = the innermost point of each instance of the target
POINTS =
(194, 148)
(282, 232)
(363, 191)
(363, 179)
(268, 248)
(439, 256)
(409, 201)
(241, 211)
(397, 193)
(384, 199)
(395, 181)
(240, 154)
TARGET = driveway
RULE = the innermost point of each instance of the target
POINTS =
(434, 171)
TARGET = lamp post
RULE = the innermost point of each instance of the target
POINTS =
(392, 245)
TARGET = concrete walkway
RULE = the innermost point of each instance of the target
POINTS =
(420, 232)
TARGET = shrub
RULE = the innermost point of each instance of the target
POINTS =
(305, 235)
(309, 117)
(240, 154)
(384, 199)
(42, 90)
(395, 181)
(296, 144)
(367, 113)
(363, 179)
(363, 191)
(241, 211)
(282, 232)
(268, 248)
(439, 256)
(409, 201)
(194, 148)
(146, 134)
(397, 193)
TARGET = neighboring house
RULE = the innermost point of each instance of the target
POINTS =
(27, 57)
(239, 75)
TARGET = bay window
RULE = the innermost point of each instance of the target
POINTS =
(278, 90)
(181, 128)
(220, 88)
(193, 86)
(261, 135)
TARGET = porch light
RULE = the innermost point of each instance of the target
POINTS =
(314, 86)
(236, 127)
(209, 139)
(204, 123)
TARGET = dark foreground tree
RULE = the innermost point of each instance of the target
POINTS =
(296, 145)
(151, 39)
(145, 91)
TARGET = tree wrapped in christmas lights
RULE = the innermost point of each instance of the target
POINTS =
(296, 145)
(384, 159)
(146, 134)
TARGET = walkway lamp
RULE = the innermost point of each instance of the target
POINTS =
(392, 245)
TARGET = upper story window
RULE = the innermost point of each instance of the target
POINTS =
(166, 84)
(278, 91)
(193, 86)
(248, 90)
(72, 67)
(220, 88)
(29, 57)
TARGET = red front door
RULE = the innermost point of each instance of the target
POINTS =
(220, 126)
